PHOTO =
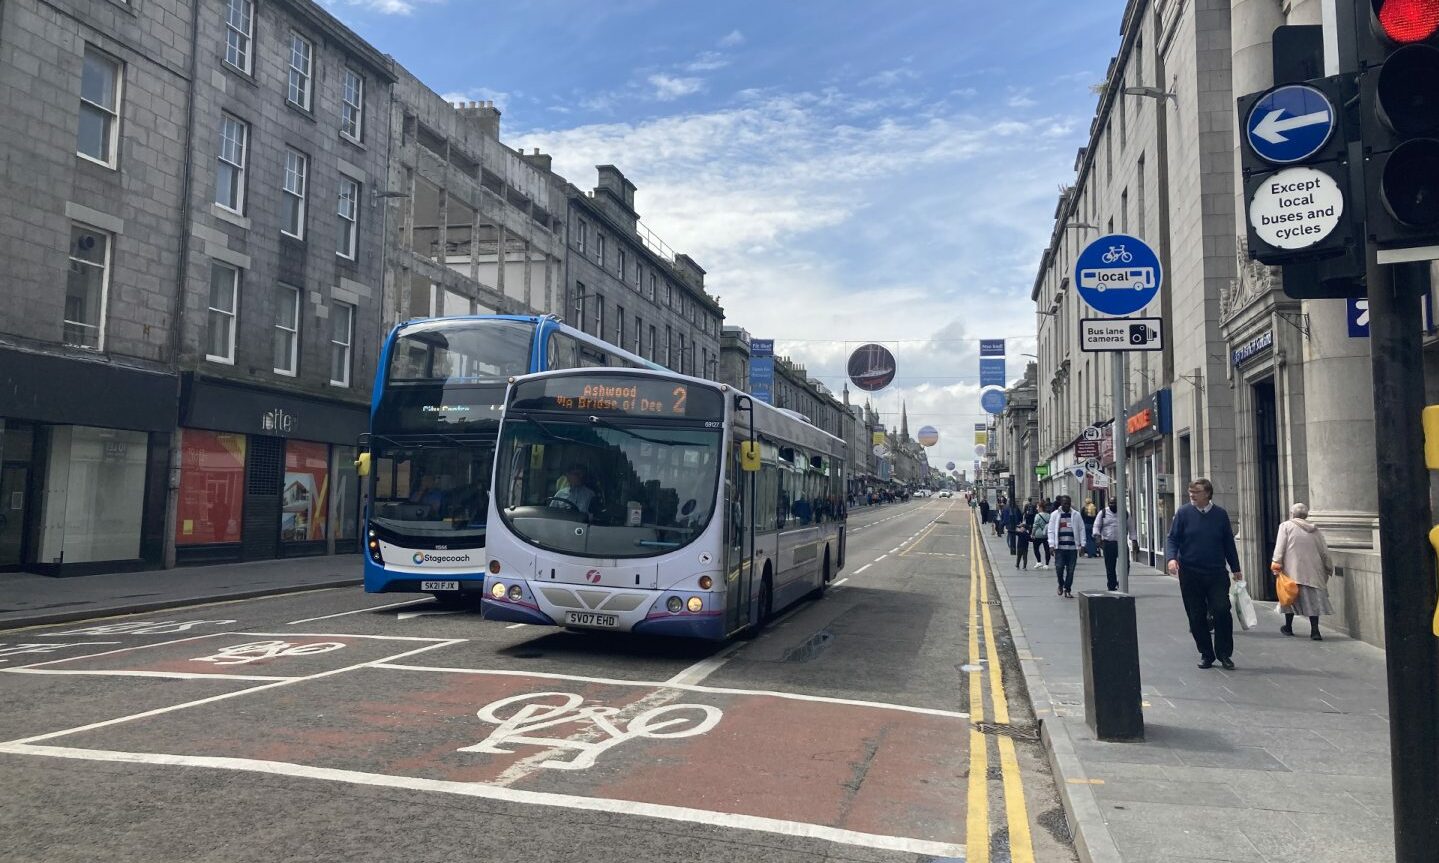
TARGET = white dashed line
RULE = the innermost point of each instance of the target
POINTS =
(863, 568)
(881, 557)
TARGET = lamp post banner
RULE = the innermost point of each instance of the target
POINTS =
(991, 347)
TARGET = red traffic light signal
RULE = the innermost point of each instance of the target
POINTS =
(1406, 21)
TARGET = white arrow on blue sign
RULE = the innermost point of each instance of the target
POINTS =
(1290, 123)
(1118, 274)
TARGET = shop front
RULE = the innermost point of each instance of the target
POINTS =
(83, 449)
(1150, 478)
(265, 474)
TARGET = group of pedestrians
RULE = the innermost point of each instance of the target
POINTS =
(1200, 551)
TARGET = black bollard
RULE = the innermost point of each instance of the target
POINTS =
(1110, 643)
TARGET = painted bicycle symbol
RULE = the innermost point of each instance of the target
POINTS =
(255, 651)
(519, 716)
(1117, 254)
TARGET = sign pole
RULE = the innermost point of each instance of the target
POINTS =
(1120, 445)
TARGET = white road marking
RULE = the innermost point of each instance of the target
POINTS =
(509, 795)
(347, 635)
(406, 615)
(173, 675)
(117, 650)
(705, 667)
(881, 557)
(516, 625)
(894, 550)
(793, 696)
(361, 610)
(838, 583)
(863, 568)
(293, 680)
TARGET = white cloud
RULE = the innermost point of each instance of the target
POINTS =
(823, 229)
(481, 94)
(707, 61)
(733, 40)
(669, 87)
(385, 7)
(890, 77)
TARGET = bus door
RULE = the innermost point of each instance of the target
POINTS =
(739, 544)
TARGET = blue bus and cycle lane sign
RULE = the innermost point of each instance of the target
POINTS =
(1118, 274)
(1289, 124)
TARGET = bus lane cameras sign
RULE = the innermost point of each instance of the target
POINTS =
(1118, 274)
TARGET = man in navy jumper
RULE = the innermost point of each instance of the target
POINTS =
(1201, 542)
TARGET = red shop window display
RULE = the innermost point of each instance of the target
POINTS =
(305, 494)
(212, 488)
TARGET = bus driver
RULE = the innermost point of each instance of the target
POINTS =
(576, 494)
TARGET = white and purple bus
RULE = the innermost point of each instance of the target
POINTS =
(651, 502)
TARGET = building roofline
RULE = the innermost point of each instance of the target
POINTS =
(316, 16)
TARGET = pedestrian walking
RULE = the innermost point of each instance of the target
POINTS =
(983, 511)
(1021, 544)
(1201, 543)
(1064, 527)
(1301, 553)
(1106, 530)
(1040, 531)
(1090, 512)
(1012, 519)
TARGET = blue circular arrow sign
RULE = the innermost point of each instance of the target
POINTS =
(1118, 274)
(1289, 123)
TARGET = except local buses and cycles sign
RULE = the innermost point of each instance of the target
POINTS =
(1118, 274)
(618, 395)
(1296, 208)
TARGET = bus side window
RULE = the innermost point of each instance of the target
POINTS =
(564, 351)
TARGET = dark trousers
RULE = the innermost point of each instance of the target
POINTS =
(1011, 534)
(1089, 550)
(1065, 559)
(1206, 595)
(1111, 559)
(1021, 551)
(1042, 542)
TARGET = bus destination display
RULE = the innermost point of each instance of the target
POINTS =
(625, 396)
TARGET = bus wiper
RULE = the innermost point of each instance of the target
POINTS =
(550, 433)
(634, 434)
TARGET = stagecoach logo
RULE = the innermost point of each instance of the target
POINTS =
(277, 420)
(420, 557)
(593, 576)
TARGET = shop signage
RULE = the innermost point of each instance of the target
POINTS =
(1149, 418)
(1140, 421)
(991, 347)
(1041, 471)
(277, 421)
(1261, 342)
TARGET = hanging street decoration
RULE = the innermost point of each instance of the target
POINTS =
(871, 367)
(929, 436)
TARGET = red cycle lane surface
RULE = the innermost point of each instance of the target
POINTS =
(871, 769)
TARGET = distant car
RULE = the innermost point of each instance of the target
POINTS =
(946, 493)
(922, 492)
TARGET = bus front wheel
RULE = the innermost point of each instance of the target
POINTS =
(824, 577)
(766, 606)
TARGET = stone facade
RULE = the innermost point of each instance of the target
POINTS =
(626, 286)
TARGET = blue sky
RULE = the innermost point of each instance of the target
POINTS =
(846, 172)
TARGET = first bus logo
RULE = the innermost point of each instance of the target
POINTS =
(593, 576)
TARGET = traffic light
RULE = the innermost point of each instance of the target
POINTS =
(1398, 56)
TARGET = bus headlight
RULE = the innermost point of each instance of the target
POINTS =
(674, 605)
(375, 550)
(497, 591)
(706, 582)
(696, 604)
(516, 593)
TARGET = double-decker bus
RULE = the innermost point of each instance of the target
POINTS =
(434, 416)
(652, 502)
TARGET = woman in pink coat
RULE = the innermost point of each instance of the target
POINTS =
(1301, 553)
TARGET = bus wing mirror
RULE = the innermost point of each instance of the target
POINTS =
(749, 456)
(362, 464)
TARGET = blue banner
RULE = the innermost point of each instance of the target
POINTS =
(991, 373)
(761, 377)
(991, 347)
(761, 347)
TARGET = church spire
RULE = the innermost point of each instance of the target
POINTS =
(903, 421)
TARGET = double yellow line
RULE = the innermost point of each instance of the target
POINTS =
(1021, 844)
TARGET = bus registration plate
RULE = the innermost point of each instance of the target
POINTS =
(439, 585)
(589, 618)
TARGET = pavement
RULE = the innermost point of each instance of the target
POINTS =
(34, 600)
(1286, 758)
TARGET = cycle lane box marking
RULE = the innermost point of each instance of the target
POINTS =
(881, 772)
(239, 655)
